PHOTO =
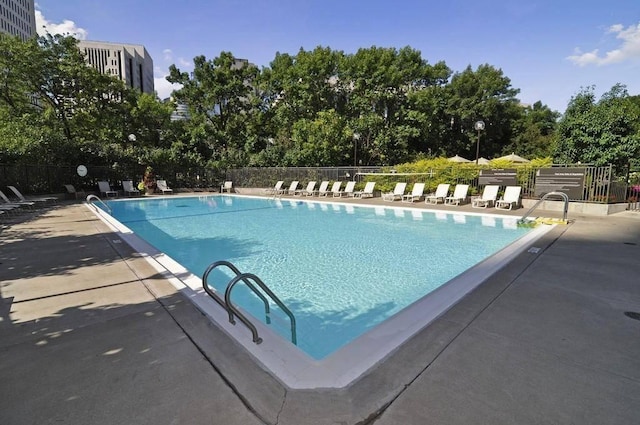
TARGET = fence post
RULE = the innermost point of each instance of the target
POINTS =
(608, 184)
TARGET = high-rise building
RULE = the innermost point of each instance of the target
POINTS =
(18, 17)
(130, 63)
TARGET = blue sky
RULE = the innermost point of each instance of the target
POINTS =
(549, 49)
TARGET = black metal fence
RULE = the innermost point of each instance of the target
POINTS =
(599, 184)
(41, 179)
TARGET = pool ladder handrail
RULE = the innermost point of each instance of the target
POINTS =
(232, 310)
(92, 197)
(564, 197)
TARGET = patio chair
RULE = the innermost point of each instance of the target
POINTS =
(322, 189)
(308, 191)
(348, 190)
(459, 195)
(510, 199)
(416, 193)
(12, 206)
(31, 199)
(441, 192)
(275, 189)
(129, 189)
(335, 190)
(292, 187)
(71, 190)
(226, 186)
(488, 198)
(367, 192)
(163, 187)
(398, 192)
(106, 189)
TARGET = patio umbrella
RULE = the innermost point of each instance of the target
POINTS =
(483, 161)
(514, 158)
(457, 158)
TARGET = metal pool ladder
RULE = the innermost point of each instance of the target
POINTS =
(92, 198)
(564, 197)
(250, 280)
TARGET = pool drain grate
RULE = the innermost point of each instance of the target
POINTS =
(632, 314)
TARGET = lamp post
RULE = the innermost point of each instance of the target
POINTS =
(356, 137)
(479, 126)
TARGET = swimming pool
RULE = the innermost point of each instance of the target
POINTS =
(343, 270)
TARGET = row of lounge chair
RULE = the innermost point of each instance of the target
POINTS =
(127, 187)
(510, 200)
(323, 190)
(489, 197)
(21, 203)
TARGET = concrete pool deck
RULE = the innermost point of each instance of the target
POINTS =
(93, 334)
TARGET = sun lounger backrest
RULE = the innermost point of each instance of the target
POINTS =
(442, 190)
(418, 189)
(400, 188)
(460, 191)
(490, 192)
(512, 193)
(336, 187)
(323, 186)
(350, 186)
(368, 188)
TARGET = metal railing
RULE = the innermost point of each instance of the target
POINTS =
(233, 311)
(546, 196)
(92, 198)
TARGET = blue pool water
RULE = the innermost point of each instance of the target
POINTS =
(341, 269)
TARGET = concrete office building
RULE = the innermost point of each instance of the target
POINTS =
(130, 63)
(18, 17)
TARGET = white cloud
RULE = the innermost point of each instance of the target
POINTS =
(161, 85)
(43, 26)
(629, 48)
(167, 55)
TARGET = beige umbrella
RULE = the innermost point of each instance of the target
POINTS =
(514, 158)
(483, 161)
(458, 158)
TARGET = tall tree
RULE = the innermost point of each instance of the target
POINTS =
(534, 132)
(600, 132)
(221, 97)
(484, 94)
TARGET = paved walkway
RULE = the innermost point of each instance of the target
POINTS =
(91, 334)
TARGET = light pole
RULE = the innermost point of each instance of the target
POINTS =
(356, 137)
(479, 126)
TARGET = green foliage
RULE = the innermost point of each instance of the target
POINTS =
(600, 132)
(378, 106)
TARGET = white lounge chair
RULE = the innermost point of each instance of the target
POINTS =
(348, 190)
(308, 191)
(292, 187)
(488, 198)
(129, 190)
(398, 192)
(367, 192)
(106, 189)
(226, 186)
(459, 195)
(31, 199)
(163, 187)
(335, 190)
(510, 199)
(441, 192)
(276, 189)
(416, 193)
(322, 189)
